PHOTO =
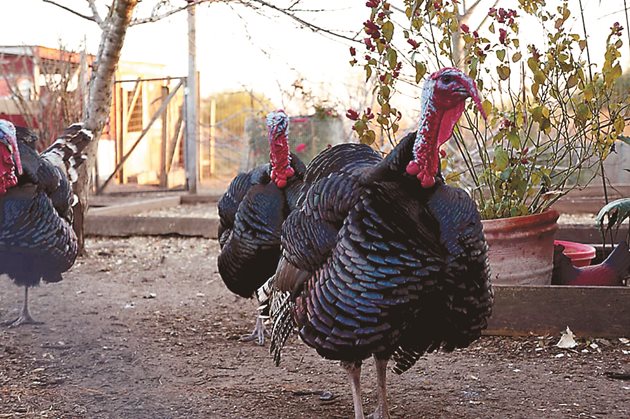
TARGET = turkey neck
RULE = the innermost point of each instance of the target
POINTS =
(419, 146)
(280, 159)
(426, 159)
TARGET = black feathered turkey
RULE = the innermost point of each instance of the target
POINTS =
(37, 241)
(383, 258)
(251, 213)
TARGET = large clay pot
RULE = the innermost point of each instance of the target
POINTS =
(521, 248)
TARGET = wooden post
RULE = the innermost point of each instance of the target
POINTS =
(191, 159)
(213, 120)
(121, 131)
(163, 174)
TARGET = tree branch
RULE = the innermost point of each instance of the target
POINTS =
(74, 12)
(309, 25)
(156, 17)
(95, 14)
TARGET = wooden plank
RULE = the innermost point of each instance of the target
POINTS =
(129, 208)
(581, 205)
(200, 199)
(125, 226)
(164, 141)
(596, 189)
(584, 233)
(547, 310)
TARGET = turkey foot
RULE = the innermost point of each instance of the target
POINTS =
(382, 410)
(24, 317)
(258, 334)
(353, 369)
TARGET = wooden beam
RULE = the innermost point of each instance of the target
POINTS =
(192, 103)
(584, 233)
(125, 226)
(128, 110)
(547, 310)
(199, 199)
(129, 208)
(164, 141)
(177, 135)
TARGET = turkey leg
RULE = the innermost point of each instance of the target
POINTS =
(382, 410)
(258, 334)
(25, 315)
(354, 374)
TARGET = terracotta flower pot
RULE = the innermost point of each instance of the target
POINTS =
(521, 248)
(579, 253)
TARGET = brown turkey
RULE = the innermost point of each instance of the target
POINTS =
(383, 258)
(36, 237)
(251, 213)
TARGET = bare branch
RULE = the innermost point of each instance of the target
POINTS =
(486, 16)
(74, 12)
(471, 9)
(95, 14)
(309, 25)
(156, 17)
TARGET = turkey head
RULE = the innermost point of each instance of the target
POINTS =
(442, 103)
(279, 156)
(9, 157)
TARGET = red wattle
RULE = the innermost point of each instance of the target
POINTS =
(413, 168)
(427, 181)
(281, 183)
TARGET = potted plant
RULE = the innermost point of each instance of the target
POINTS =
(553, 115)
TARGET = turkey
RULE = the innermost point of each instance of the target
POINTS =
(37, 241)
(251, 213)
(382, 258)
(611, 272)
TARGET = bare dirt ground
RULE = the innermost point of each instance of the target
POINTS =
(143, 328)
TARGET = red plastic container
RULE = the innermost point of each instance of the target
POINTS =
(579, 253)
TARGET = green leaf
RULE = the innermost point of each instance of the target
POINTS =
(385, 92)
(501, 159)
(392, 58)
(535, 89)
(582, 113)
(503, 72)
(514, 139)
(368, 137)
(501, 54)
(388, 30)
(516, 57)
(421, 70)
(532, 63)
(380, 46)
(486, 106)
(368, 72)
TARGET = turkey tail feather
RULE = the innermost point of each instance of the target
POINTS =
(283, 324)
(67, 150)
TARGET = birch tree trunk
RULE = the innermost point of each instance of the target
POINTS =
(114, 28)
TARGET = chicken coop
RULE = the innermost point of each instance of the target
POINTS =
(143, 141)
(42, 87)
